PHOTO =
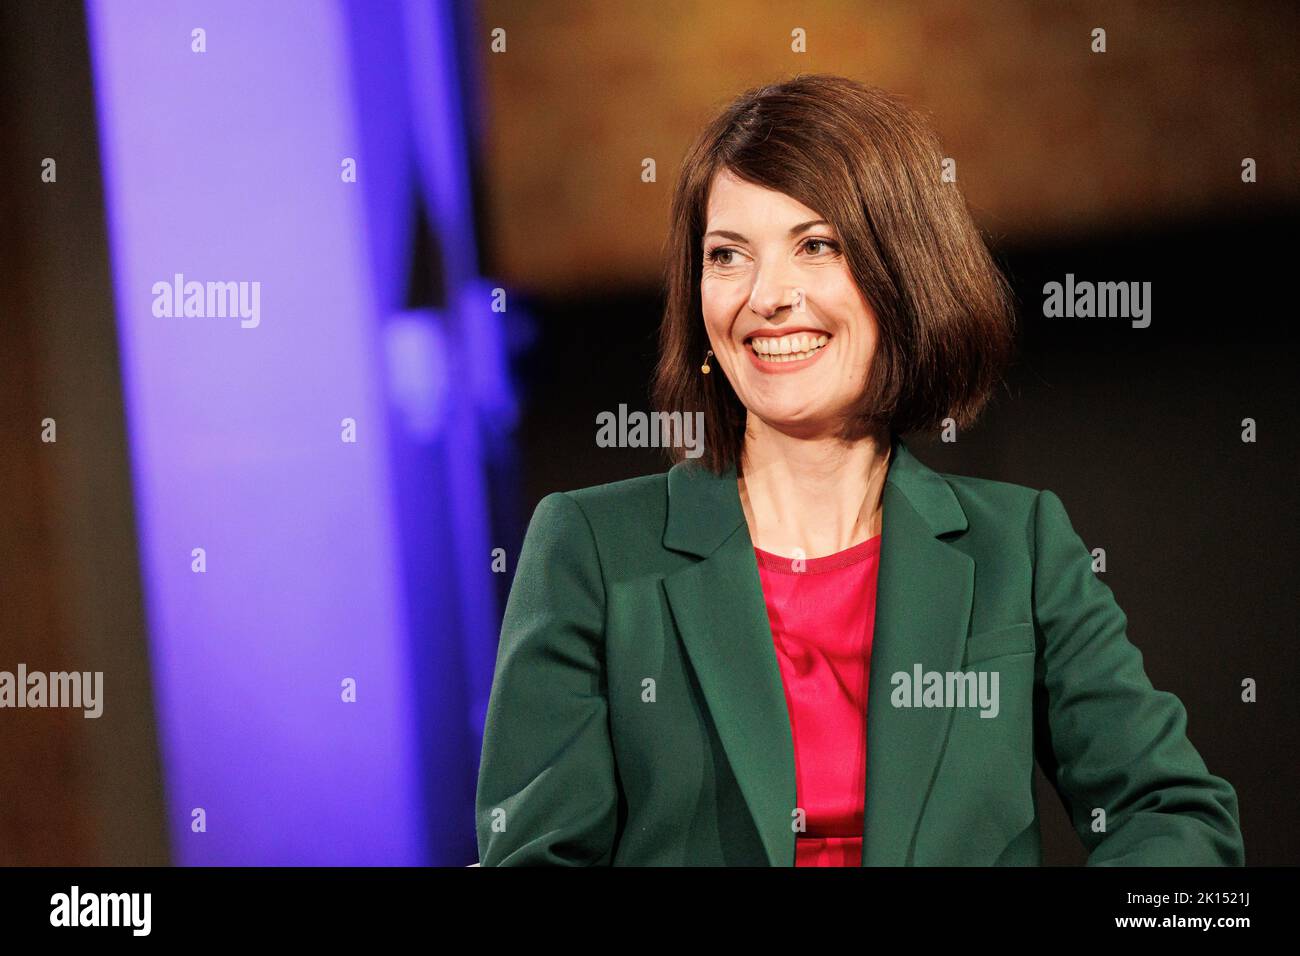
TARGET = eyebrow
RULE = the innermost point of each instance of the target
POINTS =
(794, 230)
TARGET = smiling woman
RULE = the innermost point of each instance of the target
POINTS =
(696, 667)
(818, 206)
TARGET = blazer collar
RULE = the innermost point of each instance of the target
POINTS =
(923, 604)
(704, 508)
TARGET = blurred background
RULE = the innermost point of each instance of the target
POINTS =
(286, 536)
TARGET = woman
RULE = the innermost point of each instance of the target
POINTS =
(806, 648)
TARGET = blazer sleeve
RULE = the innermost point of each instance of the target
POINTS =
(1106, 738)
(547, 791)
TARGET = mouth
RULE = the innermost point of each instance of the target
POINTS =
(791, 349)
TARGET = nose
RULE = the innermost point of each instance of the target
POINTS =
(770, 294)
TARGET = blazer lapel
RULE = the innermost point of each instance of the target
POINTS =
(924, 592)
(719, 609)
(923, 603)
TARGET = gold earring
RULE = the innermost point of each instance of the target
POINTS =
(705, 367)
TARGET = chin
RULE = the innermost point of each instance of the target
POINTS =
(793, 421)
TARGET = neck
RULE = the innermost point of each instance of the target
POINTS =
(811, 496)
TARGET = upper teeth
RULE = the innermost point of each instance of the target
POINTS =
(788, 344)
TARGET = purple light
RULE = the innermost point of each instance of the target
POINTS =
(225, 166)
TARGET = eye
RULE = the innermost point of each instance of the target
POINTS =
(715, 255)
(829, 244)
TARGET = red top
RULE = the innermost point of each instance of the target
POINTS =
(823, 613)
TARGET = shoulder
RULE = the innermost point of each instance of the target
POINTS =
(940, 493)
(1015, 511)
(576, 539)
(987, 496)
(619, 504)
(617, 527)
(644, 491)
(1004, 513)
(990, 488)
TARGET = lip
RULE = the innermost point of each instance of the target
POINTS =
(786, 368)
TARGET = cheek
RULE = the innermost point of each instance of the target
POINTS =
(862, 355)
(857, 313)
(718, 304)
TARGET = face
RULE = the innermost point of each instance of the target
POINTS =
(784, 318)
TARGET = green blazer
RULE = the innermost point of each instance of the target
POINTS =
(637, 715)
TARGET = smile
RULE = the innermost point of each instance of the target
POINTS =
(787, 352)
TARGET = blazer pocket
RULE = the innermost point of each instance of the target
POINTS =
(1013, 639)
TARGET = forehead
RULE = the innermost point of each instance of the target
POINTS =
(733, 201)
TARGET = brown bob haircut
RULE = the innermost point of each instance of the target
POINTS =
(871, 166)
